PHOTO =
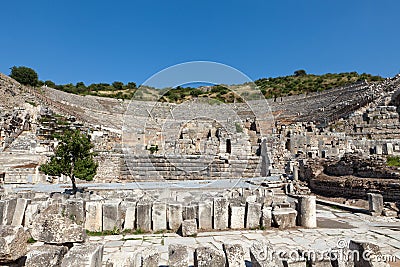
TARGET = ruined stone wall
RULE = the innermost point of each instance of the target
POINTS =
(355, 187)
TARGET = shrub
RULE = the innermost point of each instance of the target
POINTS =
(24, 75)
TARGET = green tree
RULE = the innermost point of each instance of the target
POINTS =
(131, 85)
(298, 73)
(72, 157)
(196, 92)
(24, 75)
(118, 85)
(50, 84)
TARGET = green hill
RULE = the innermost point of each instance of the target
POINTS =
(299, 83)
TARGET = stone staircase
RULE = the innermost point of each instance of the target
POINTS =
(128, 168)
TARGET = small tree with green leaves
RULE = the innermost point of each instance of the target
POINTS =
(24, 75)
(73, 157)
(298, 73)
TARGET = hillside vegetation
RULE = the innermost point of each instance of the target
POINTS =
(298, 83)
(306, 83)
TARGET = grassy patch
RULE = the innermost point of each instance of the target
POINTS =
(31, 240)
(31, 103)
(393, 161)
(133, 232)
(114, 231)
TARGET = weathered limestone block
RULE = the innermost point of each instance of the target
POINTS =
(159, 216)
(147, 257)
(31, 212)
(13, 243)
(262, 255)
(121, 259)
(87, 254)
(174, 216)
(253, 215)
(388, 149)
(178, 255)
(307, 211)
(75, 210)
(295, 173)
(284, 218)
(375, 202)
(130, 215)
(143, 216)
(111, 216)
(279, 198)
(189, 227)
(19, 212)
(378, 150)
(94, 216)
(45, 255)
(251, 199)
(266, 217)
(234, 254)
(237, 217)
(205, 215)
(190, 212)
(370, 251)
(221, 214)
(2, 208)
(8, 211)
(289, 188)
(54, 227)
(208, 257)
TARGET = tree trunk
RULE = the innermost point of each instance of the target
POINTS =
(74, 188)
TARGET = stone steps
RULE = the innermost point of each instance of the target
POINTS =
(184, 166)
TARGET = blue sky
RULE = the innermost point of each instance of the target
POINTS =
(105, 41)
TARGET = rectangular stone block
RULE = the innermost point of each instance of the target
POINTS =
(190, 212)
(75, 210)
(19, 212)
(143, 216)
(94, 216)
(253, 215)
(13, 243)
(234, 255)
(130, 215)
(375, 202)
(207, 256)
(378, 150)
(221, 213)
(9, 210)
(284, 218)
(31, 212)
(159, 216)
(121, 259)
(178, 255)
(45, 255)
(111, 216)
(237, 217)
(266, 217)
(175, 217)
(189, 228)
(388, 149)
(147, 257)
(2, 208)
(87, 254)
(205, 215)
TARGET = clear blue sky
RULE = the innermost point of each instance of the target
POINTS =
(104, 41)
